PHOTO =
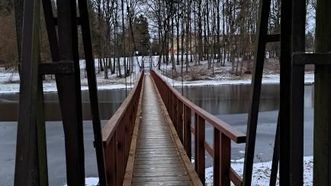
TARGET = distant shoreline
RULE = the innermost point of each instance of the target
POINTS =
(50, 86)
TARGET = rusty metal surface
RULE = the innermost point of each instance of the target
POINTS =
(262, 25)
(93, 92)
(70, 94)
(31, 162)
(284, 105)
(63, 39)
(297, 94)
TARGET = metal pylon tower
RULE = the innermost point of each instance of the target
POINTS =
(31, 154)
(288, 146)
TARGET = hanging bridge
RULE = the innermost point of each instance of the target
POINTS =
(152, 134)
(157, 136)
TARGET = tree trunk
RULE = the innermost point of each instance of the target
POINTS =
(218, 43)
(19, 24)
(100, 64)
(119, 67)
(200, 49)
(223, 34)
(123, 40)
(106, 68)
(183, 32)
(177, 31)
(172, 38)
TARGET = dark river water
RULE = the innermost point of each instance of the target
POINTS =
(230, 103)
(109, 101)
(235, 99)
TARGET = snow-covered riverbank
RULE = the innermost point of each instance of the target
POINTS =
(9, 79)
(267, 79)
(262, 170)
(9, 82)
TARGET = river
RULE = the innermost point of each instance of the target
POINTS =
(230, 103)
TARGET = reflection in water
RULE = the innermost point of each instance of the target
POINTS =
(228, 102)
(235, 99)
(231, 103)
(109, 101)
(218, 100)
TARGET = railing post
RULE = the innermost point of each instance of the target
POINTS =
(187, 131)
(176, 114)
(127, 138)
(173, 107)
(200, 147)
(217, 157)
(167, 97)
(111, 168)
(170, 104)
(225, 160)
(135, 109)
(180, 120)
(169, 100)
(120, 155)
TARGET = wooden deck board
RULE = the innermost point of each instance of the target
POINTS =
(157, 161)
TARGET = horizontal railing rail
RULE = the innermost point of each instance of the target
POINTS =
(181, 110)
(117, 134)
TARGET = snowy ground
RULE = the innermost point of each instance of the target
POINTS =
(201, 75)
(267, 79)
(261, 172)
(198, 75)
(9, 81)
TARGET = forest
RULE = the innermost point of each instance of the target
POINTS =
(178, 33)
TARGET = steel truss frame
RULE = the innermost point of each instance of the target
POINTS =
(31, 155)
(288, 146)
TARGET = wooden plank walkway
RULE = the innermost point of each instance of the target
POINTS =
(157, 161)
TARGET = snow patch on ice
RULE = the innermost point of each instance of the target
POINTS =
(91, 181)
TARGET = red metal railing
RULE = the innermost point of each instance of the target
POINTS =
(117, 134)
(180, 110)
